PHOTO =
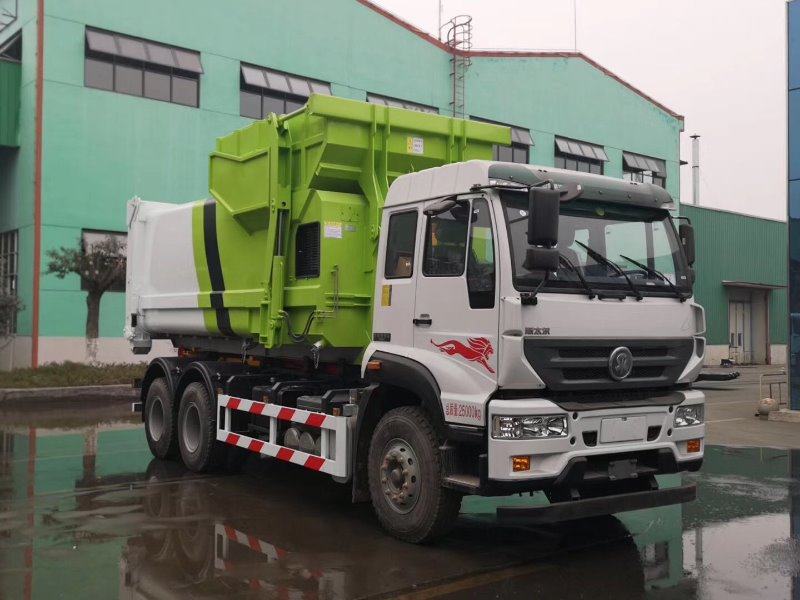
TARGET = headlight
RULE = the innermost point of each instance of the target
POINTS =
(526, 428)
(689, 415)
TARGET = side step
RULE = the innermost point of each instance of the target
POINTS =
(594, 507)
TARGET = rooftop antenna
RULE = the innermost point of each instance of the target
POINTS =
(459, 38)
(440, 19)
(695, 169)
(575, 23)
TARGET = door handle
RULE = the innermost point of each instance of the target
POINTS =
(423, 321)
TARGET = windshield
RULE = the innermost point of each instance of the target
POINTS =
(623, 234)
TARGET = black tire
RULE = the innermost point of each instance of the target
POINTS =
(197, 430)
(159, 420)
(402, 432)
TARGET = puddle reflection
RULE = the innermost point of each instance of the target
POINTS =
(86, 512)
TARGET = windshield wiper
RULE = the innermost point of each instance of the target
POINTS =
(608, 262)
(660, 275)
(589, 291)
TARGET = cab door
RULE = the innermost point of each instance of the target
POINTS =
(456, 314)
(397, 277)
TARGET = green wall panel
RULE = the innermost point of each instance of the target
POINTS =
(734, 247)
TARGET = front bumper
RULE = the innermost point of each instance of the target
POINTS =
(662, 447)
(593, 507)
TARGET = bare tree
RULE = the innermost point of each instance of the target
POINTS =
(101, 267)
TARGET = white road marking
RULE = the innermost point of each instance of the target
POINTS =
(727, 420)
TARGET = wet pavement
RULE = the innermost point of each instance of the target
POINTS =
(86, 512)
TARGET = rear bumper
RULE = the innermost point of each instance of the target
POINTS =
(593, 507)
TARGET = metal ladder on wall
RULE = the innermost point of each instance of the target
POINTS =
(459, 38)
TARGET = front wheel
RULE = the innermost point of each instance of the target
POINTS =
(405, 477)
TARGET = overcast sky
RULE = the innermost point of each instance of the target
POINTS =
(720, 63)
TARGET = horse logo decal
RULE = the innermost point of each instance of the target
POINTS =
(479, 350)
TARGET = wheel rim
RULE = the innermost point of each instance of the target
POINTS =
(191, 428)
(400, 475)
(155, 419)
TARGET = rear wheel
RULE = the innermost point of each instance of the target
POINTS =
(159, 420)
(197, 429)
(405, 475)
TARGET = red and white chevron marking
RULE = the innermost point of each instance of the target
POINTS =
(271, 551)
(334, 460)
(284, 413)
(309, 461)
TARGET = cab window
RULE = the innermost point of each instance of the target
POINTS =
(446, 242)
(400, 242)
(480, 260)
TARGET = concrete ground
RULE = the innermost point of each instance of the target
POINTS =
(85, 511)
(730, 410)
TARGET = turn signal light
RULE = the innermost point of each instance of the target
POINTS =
(521, 463)
(693, 446)
(374, 365)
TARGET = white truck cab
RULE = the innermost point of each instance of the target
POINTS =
(579, 374)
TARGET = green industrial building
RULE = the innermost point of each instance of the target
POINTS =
(104, 101)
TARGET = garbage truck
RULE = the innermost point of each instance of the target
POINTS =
(368, 295)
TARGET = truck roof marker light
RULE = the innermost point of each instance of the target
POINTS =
(521, 463)
(374, 365)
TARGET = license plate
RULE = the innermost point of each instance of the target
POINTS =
(622, 429)
(622, 469)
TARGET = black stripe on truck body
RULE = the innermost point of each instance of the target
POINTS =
(215, 268)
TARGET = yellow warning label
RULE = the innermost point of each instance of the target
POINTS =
(415, 145)
(386, 295)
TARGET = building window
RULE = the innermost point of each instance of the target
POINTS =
(644, 169)
(264, 91)
(139, 67)
(9, 259)
(520, 148)
(574, 155)
(397, 103)
(91, 237)
(11, 49)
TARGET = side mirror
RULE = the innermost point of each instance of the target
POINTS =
(541, 259)
(686, 233)
(543, 207)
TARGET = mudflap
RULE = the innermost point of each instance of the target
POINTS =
(570, 510)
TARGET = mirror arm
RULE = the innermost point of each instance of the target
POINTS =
(529, 298)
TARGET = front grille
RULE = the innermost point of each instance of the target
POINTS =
(575, 365)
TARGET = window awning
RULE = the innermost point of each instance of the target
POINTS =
(752, 285)
(519, 135)
(397, 103)
(581, 149)
(124, 46)
(282, 82)
(638, 162)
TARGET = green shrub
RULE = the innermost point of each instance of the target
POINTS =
(71, 374)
